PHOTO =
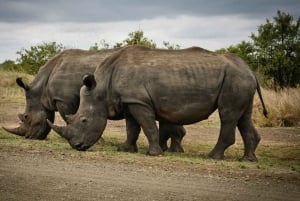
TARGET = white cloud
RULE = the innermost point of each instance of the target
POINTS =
(208, 32)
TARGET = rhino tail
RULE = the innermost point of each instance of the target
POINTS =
(265, 112)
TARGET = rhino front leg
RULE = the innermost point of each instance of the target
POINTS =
(132, 130)
(65, 109)
(146, 119)
(226, 138)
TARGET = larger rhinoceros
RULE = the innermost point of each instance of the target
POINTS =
(174, 86)
(56, 88)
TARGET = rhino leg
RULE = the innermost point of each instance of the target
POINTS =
(164, 135)
(65, 109)
(133, 130)
(146, 119)
(176, 139)
(249, 135)
(175, 132)
(226, 138)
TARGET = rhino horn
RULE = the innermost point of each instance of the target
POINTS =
(17, 131)
(57, 129)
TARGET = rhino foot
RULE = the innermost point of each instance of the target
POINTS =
(177, 149)
(164, 146)
(154, 151)
(125, 147)
(250, 158)
(216, 155)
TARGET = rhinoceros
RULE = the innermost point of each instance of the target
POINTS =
(56, 88)
(173, 86)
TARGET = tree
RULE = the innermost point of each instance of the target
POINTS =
(277, 50)
(170, 46)
(9, 65)
(103, 45)
(245, 50)
(136, 38)
(274, 52)
(31, 60)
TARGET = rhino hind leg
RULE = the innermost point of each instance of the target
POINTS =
(164, 136)
(175, 132)
(249, 135)
(176, 138)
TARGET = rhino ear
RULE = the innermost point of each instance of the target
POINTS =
(89, 81)
(20, 82)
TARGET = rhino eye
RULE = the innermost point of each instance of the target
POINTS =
(83, 119)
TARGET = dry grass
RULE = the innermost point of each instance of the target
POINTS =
(9, 88)
(283, 108)
(8, 78)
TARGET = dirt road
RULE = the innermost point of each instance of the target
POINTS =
(46, 174)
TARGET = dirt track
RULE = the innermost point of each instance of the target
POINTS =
(34, 174)
(40, 175)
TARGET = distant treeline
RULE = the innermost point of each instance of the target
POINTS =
(273, 53)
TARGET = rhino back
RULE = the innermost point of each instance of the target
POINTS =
(173, 83)
(65, 79)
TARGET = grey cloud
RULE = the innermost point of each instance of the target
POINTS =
(117, 10)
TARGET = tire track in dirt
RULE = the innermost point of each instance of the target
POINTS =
(31, 176)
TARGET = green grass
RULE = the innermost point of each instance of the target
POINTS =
(270, 156)
(53, 142)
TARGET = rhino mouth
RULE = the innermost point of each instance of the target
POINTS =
(39, 131)
(80, 146)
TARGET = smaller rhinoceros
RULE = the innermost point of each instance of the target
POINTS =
(174, 86)
(56, 88)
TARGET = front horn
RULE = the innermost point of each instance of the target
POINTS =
(57, 129)
(20, 131)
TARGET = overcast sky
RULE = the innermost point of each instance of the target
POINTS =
(211, 24)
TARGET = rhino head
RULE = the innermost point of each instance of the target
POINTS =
(85, 128)
(34, 120)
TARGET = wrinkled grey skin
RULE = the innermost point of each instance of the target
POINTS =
(56, 88)
(173, 86)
